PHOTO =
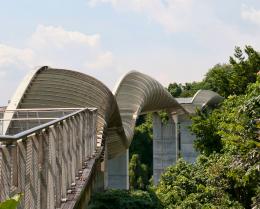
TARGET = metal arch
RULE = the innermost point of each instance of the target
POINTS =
(135, 94)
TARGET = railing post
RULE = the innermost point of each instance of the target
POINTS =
(91, 126)
(14, 166)
(35, 171)
(70, 139)
(94, 128)
(52, 171)
(87, 129)
(28, 196)
(72, 152)
(21, 153)
(5, 168)
(82, 138)
(79, 143)
(43, 166)
(65, 161)
(58, 176)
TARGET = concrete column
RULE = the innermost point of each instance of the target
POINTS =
(164, 146)
(187, 138)
(118, 175)
(177, 136)
(104, 167)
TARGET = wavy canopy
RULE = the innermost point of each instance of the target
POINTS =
(135, 94)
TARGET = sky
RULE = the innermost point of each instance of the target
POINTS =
(170, 40)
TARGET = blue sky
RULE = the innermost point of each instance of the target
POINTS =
(170, 40)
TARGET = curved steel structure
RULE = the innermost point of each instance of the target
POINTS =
(135, 94)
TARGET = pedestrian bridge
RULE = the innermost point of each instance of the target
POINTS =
(65, 135)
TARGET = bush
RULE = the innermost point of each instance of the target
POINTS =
(121, 199)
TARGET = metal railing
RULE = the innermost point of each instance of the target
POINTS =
(23, 119)
(45, 162)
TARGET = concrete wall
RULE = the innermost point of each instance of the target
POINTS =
(118, 177)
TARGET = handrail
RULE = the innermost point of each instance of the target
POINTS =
(11, 139)
(26, 119)
(52, 159)
(42, 109)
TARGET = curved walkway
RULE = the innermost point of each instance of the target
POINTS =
(135, 94)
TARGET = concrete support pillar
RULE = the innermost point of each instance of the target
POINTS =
(170, 142)
(186, 139)
(164, 146)
(177, 135)
(104, 167)
(118, 175)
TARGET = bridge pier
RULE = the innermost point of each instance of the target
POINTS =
(170, 142)
(118, 176)
(164, 146)
(187, 151)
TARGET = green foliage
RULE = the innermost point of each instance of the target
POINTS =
(175, 89)
(230, 131)
(229, 127)
(186, 90)
(138, 173)
(215, 181)
(218, 79)
(196, 186)
(245, 68)
(120, 199)
(189, 89)
(11, 203)
(233, 78)
(204, 126)
(142, 148)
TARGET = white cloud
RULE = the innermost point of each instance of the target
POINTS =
(210, 34)
(13, 56)
(55, 47)
(59, 37)
(173, 15)
(50, 45)
(101, 61)
(250, 14)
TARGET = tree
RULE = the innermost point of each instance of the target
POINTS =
(205, 126)
(142, 148)
(189, 89)
(201, 185)
(138, 173)
(233, 78)
(245, 68)
(175, 89)
(218, 79)
(237, 164)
